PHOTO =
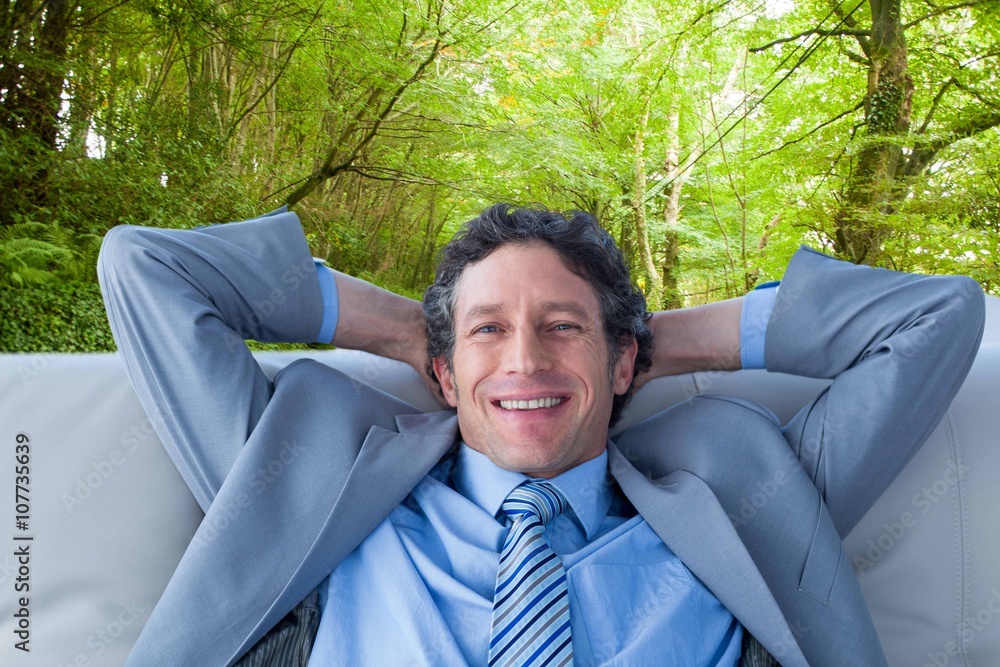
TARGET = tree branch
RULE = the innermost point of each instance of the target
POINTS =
(851, 22)
(812, 31)
(88, 20)
(924, 152)
(664, 183)
(941, 10)
(291, 51)
(283, 188)
(854, 57)
(812, 131)
(393, 175)
(329, 169)
(978, 95)
(706, 13)
(934, 105)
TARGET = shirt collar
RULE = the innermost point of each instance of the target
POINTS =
(587, 487)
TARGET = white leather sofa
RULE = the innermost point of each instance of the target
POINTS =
(109, 516)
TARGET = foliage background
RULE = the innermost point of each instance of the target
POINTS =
(711, 137)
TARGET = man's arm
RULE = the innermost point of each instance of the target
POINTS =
(897, 346)
(695, 339)
(182, 302)
(383, 323)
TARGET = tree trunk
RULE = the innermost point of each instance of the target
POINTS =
(888, 100)
(672, 210)
(271, 111)
(654, 288)
(383, 213)
(34, 62)
(676, 176)
(49, 76)
(81, 103)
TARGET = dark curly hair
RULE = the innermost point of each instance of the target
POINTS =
(585, 248)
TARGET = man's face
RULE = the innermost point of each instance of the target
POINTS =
(529, 374)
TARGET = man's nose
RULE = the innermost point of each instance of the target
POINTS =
(526, 353)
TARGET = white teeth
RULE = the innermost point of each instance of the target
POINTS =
(533, 404)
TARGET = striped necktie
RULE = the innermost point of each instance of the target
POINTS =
(531, 603)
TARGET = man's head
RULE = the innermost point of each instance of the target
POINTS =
(536, 333)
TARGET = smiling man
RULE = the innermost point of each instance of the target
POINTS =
(530, 369)
(511, 530)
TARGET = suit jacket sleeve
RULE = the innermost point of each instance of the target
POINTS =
(180, 304)
(897, 346)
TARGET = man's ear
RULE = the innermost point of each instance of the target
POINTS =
(625, 368)
(444, 376)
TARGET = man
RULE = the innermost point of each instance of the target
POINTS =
(393, 522)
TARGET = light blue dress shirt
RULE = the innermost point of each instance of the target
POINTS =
(331, 302)
(419, 589)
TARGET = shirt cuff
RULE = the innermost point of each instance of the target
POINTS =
(331, 302)
(757, 306)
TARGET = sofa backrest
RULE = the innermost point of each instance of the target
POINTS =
(109, 516)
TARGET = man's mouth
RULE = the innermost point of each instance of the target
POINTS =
(532, 404)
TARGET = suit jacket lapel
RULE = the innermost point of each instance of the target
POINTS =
(376, 484)
(686, 515)
(273, 532)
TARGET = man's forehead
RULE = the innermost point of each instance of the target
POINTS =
(517, 275)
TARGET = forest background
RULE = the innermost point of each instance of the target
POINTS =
(710, 137)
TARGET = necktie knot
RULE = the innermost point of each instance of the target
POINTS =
(541, 499)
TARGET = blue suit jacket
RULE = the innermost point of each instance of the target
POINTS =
(294, 473)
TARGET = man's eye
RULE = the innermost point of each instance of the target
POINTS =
(565, 326)
(486, 328)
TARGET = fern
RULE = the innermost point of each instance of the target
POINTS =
(26, 259)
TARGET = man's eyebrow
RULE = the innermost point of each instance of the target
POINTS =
(569, 307)
(484, 309)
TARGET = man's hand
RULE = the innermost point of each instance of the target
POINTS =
(377, 321)
(694, 339)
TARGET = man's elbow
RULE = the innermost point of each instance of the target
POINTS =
(124, 248)
(966, 307)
